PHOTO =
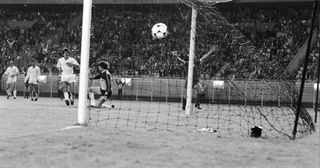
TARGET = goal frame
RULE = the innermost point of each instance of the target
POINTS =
(84, 62)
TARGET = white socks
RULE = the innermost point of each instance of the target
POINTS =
(66, 95)
(9, 92)
(92, 100)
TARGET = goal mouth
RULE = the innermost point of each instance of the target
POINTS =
(230, 101)
(231, 110)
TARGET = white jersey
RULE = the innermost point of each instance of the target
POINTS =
(33, 75)
(12, 73)
(62, 63)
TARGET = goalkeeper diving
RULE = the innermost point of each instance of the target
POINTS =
(104, 77)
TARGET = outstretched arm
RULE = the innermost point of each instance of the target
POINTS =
(98, 76)
(212, 49)
(176, 54)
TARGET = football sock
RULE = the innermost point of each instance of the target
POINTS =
(66, 95)
(92, 100)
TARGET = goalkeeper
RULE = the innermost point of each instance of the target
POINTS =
(105, 83)
(195, 83)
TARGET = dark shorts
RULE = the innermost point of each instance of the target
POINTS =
(26, 84)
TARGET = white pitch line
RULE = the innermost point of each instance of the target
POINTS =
(71, 127)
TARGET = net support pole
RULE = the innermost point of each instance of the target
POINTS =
(84, 67)
(191, 61)
(51, 85)
(304, 71)
(245, 92)
(318, 80)
(316, 98)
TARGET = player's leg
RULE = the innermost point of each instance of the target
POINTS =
(184, 102)
(65, 90)
(121, 90)
(71, 93)
(184, 96)
(36, 92)
(65, 78)
(31, 88)
(102, 98)
(72, 81)
(91, 92)
(14, 89)
(92, 100)
(26, 93)
(199, 90)
(60, 93)
(9, 89)
(24, 90)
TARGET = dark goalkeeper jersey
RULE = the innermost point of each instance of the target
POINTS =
(105, 81)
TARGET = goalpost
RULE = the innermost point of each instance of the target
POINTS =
(193, 31)
(191, 61)
(85, 53)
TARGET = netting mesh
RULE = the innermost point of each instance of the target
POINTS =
(153, 103)
(228, 106)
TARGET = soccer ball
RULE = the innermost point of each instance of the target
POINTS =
(159, 31)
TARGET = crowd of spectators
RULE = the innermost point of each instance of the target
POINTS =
(121, 35)
(277, 31)
(25, 32)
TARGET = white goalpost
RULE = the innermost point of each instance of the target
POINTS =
(85, 48)
(191, 61)
(192, 53)
(84, 67)
(85, 53)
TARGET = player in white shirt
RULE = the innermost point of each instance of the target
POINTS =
(68, 78)
(12, 72)
(33, 75)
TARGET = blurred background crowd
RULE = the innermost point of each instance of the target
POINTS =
(121, 34)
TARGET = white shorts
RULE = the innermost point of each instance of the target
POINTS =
(11, 80)
(69, 78)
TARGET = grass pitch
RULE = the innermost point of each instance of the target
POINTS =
(32, 135)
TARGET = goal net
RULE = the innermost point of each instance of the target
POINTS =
(237, 88)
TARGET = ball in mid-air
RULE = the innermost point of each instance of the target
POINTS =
(159, 31)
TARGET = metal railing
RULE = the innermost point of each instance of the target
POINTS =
(259, 92)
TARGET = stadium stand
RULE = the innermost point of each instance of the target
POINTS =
(40, 32)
